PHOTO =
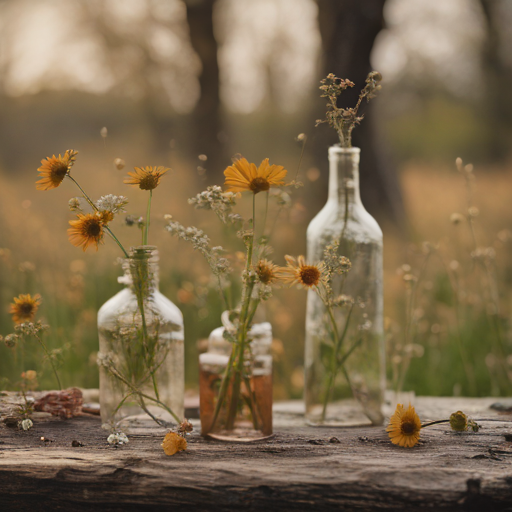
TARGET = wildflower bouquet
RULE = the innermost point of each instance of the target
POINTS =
(141, 332)
(233, 400)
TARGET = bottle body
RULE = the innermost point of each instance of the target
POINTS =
(253, 417)
(141, 351)
(344, 363)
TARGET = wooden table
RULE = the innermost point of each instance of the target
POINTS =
(301, 468)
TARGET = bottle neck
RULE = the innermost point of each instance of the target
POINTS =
(344, 175)
(141, 270)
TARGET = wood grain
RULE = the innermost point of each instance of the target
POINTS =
(301, 468)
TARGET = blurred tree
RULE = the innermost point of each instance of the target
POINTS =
(348, 29)
(207, 124)
(497, 73)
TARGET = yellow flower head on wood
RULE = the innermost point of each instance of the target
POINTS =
(174, 443)
(244, 176)
(404, 427)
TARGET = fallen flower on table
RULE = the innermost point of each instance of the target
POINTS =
(26, 424)
(461, 423)
(118, 438)
(405, 425)
(174, 443)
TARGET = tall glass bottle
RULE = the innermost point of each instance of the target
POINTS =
(344, 370)
(141, 353)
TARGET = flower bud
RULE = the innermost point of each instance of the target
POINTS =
(458, 421)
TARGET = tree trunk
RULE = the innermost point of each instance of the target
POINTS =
(348, 29)
(208, 137)
(497, 82)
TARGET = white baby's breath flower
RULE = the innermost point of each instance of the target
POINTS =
(118, 438)
(26, 424)
(111, 203)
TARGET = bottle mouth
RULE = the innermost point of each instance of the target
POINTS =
(336, 148)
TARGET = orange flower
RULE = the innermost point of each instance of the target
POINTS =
(55, 169)
(24, 308)
(174, 443)
(147, 178)
(404, 427)
(299, 272)
(87, 230)
(267, 272)
(242, 176)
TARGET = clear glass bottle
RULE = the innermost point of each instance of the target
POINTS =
(345, 379)
(141, 352)
(253, 418)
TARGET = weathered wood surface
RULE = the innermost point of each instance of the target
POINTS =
(299, 469)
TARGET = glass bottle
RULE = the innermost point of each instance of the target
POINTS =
(253, 419)
(345, 370)
(141, 351)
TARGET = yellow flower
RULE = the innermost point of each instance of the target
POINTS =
(24, 308)
(87, 230)
(267, 272)
(147, 178)
(299, 272)
(106, 216)
(174, 443)
(54, 170)
(242, 176)
(404, 427)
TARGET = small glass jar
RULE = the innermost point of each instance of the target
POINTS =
(252, 418)
(141, 352)
(344, 366)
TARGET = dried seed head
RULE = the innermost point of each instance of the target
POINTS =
(119, 164)
(457, 218)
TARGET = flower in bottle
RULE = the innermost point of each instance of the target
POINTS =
(244, 176)
(55, 169)
(87, 230)
(147, 178)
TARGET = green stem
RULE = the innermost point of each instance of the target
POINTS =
(409, 314)
(141, 394)
(434, 423)
(140, 301)
(50, 359)
(239, 367)
(249, 260)
(121, 403)
(148, 218)
(335, 366)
